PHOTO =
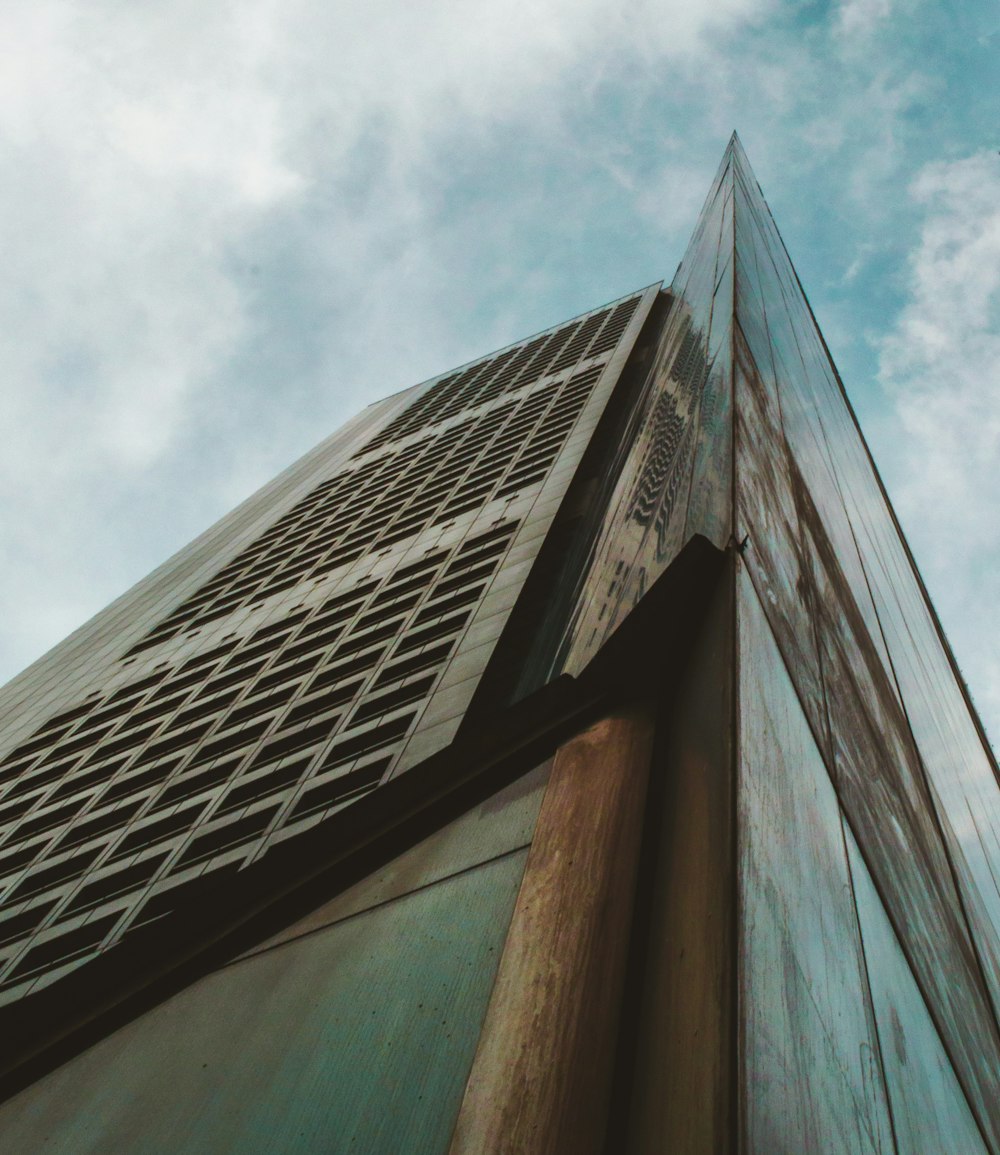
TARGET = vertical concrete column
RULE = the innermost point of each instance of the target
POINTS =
(541, 1078)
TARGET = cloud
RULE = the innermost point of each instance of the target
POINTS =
(124, 181)
(141, 145)
(862, 17)
(940, 364)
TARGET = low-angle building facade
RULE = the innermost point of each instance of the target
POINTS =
(564, 756)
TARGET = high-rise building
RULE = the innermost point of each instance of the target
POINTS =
(562, 757)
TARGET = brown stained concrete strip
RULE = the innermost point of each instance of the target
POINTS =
(541, 1078)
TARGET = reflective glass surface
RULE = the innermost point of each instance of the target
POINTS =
(902, 752)
(929, 1109)
(812, 1076)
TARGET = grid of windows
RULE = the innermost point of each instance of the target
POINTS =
(481, 382)
(117, 804)
(176, 770)
(393, 496)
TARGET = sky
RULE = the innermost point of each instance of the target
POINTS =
(226, 228)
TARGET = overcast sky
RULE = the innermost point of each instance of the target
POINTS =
(227, 227)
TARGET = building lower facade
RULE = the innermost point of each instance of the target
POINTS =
(564, 756)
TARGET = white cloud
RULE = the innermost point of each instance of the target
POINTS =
(139, 144)
(941, 366)
(124, 180)
(862, 17)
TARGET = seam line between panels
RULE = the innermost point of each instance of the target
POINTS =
(831, 768)
(252, 954)
(737, 1112)
(890, 914)
(945, 645)
(931, 798)
(867, 982)
(842, 819)
(832, 772)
